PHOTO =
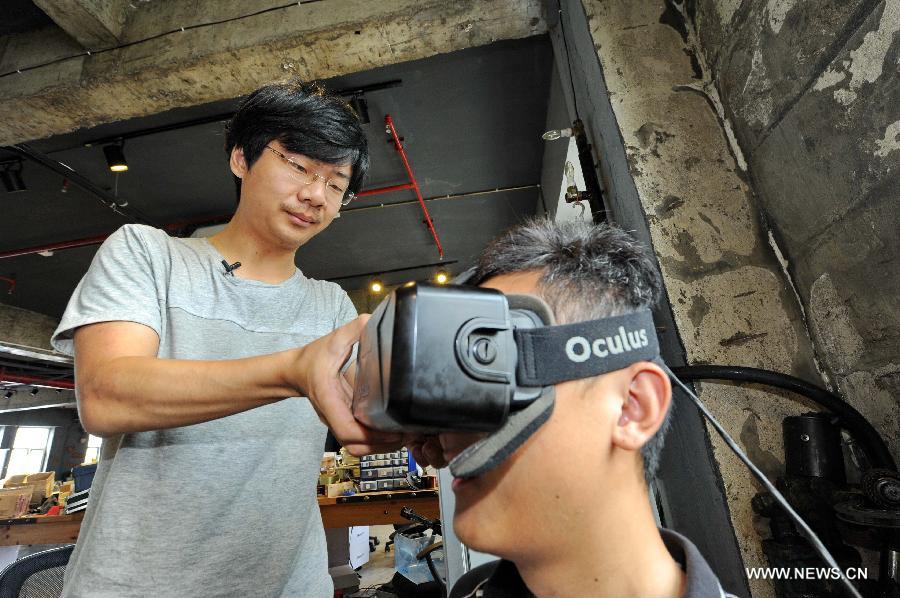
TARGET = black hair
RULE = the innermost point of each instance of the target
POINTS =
(588, 271)
(306, 119)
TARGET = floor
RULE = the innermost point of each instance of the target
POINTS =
(380, 568)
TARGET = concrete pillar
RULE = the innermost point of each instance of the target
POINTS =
(674, 173)
(811, 88)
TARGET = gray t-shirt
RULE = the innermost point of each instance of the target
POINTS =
(222, 508)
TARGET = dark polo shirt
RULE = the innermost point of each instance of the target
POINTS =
(500, 579)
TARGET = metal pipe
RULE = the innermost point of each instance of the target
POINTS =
(851, 419)
(380, 190)
(389, 124)
(36, 381)
(54, 246)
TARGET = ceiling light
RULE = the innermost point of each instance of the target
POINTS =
(441, 277)
(115, 157)
(361, 107)
(555, 134)
(376, 286)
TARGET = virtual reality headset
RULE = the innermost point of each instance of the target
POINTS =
(461, 358)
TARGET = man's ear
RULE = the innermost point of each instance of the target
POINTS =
(644, 409)
(237, 162)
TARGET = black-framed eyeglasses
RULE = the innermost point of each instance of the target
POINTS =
(335, 191)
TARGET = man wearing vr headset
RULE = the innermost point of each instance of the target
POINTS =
(194, 359)
(569, 511)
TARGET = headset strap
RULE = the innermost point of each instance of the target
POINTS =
(554, 354)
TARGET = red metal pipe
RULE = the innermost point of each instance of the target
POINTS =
(381, 190)
(100, 238)
(54, 246)
(389, 125)
(35, 381)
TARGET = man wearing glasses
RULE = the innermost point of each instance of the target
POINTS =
(213, 383)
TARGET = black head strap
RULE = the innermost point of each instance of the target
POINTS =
(555, 354)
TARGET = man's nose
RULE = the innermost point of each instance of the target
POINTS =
(314, 193)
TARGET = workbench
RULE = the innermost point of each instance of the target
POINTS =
(369, 508)
(378, 508)
(60, 529)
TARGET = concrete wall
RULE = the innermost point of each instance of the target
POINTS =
(812, 89)
(731, 300)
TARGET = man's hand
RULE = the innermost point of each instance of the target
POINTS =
(317, 373)
(426, 450)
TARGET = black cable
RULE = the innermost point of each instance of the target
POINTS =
(859, 427)
(568, 59)
(157, 36)
(802, 526)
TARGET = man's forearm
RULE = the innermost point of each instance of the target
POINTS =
(134, 394)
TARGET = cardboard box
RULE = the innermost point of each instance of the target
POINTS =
(14, 501)
(42, 483)
(333, 490)
(14, 480)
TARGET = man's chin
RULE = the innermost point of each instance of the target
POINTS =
(474, 530)
(295, 238)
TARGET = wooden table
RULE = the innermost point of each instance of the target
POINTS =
(61, 529)
(369, 508)
(378, 508)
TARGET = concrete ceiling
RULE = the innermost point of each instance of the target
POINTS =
(112, 60)
(471, 122)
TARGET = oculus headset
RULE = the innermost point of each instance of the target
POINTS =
(455, 358)
(461, 358)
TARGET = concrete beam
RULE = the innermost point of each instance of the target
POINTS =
(94, 24)
(210, 63)
(23, 327)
